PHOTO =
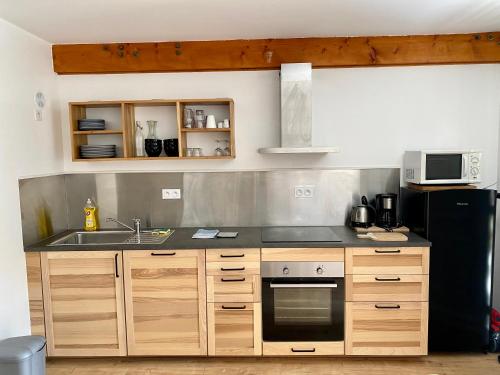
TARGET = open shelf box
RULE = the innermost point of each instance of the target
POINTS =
(121, 117)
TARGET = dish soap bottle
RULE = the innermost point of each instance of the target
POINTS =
(139, 139)
(90, 216)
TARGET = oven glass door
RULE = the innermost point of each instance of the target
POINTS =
(303, 309)
(443, 167)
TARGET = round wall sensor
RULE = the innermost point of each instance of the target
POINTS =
(40, 99)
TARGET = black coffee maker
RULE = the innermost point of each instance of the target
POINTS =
(386, 207)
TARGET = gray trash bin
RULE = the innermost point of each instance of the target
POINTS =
(23, 355)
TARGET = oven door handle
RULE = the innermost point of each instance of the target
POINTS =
(331, 285)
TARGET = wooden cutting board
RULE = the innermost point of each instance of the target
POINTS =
(387, 236)
(375, 229)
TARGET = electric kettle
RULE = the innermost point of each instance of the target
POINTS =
(362, 216)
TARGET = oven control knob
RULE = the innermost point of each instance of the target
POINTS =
(474, 171)
(286, 271)
(320, 270)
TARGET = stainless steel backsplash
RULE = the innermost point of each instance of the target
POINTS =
(44, 207)
(261, 198)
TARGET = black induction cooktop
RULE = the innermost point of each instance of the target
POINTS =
(299, 234)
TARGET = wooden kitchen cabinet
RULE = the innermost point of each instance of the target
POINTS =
(35, 294)
(397, 328)
(387, 293)
(83, 301)
(165, 298)
(235, 329)
(234, 308)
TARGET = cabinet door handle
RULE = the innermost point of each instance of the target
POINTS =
(388, 279)
(233, 269)
(387, 306)
(116, 265)
(234, 307)
(232, 256)
(387, 251)
(312, 350)
(163, 254)
(231, 280)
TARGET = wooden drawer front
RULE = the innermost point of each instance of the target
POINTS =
(233, 268)
(304, 348)
(392, 328)
(234, 329)
(233, 255)
(303, 254)
(387, 260)
(244, 288)
(386, 288)
(235, 262)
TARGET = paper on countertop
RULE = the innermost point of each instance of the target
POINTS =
(205, 233)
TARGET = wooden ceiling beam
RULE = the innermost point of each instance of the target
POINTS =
(262, 54)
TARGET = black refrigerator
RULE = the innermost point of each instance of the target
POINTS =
(460, 224)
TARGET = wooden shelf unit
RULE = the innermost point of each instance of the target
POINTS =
(122, 131)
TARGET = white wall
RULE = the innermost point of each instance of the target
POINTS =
(27, 147)
(372, 114)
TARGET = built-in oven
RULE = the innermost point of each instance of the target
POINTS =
(303, 301)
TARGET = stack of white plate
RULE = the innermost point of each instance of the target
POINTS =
(97, 151)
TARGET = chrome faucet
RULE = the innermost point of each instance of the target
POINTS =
(136, 228)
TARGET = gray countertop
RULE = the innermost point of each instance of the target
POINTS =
(248, 237)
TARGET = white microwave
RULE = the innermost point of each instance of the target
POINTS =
(432, 167)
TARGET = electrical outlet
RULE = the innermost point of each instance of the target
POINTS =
(171, 193)
(304, 191)
(309, 191)
(299, 191)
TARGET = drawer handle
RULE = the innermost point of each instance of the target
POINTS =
(163, 254)
(388, 279)
(312, 350)
(116, 265)
(224, 280)
(233, 269)
(232, 256)
(234, 307)
(387, 251)
(387, 306)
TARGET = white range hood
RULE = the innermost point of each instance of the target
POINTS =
(296, 112)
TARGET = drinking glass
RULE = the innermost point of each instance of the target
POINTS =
(227, 150)
(152, 124)
(200, 118)
(188, 118)
(218, 151)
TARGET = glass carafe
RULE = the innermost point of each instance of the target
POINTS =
(152, 129)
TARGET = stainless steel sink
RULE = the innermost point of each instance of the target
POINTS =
(94, 238)
(111, 237)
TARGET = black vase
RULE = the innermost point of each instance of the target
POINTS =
(171, 147)
(153, 147)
